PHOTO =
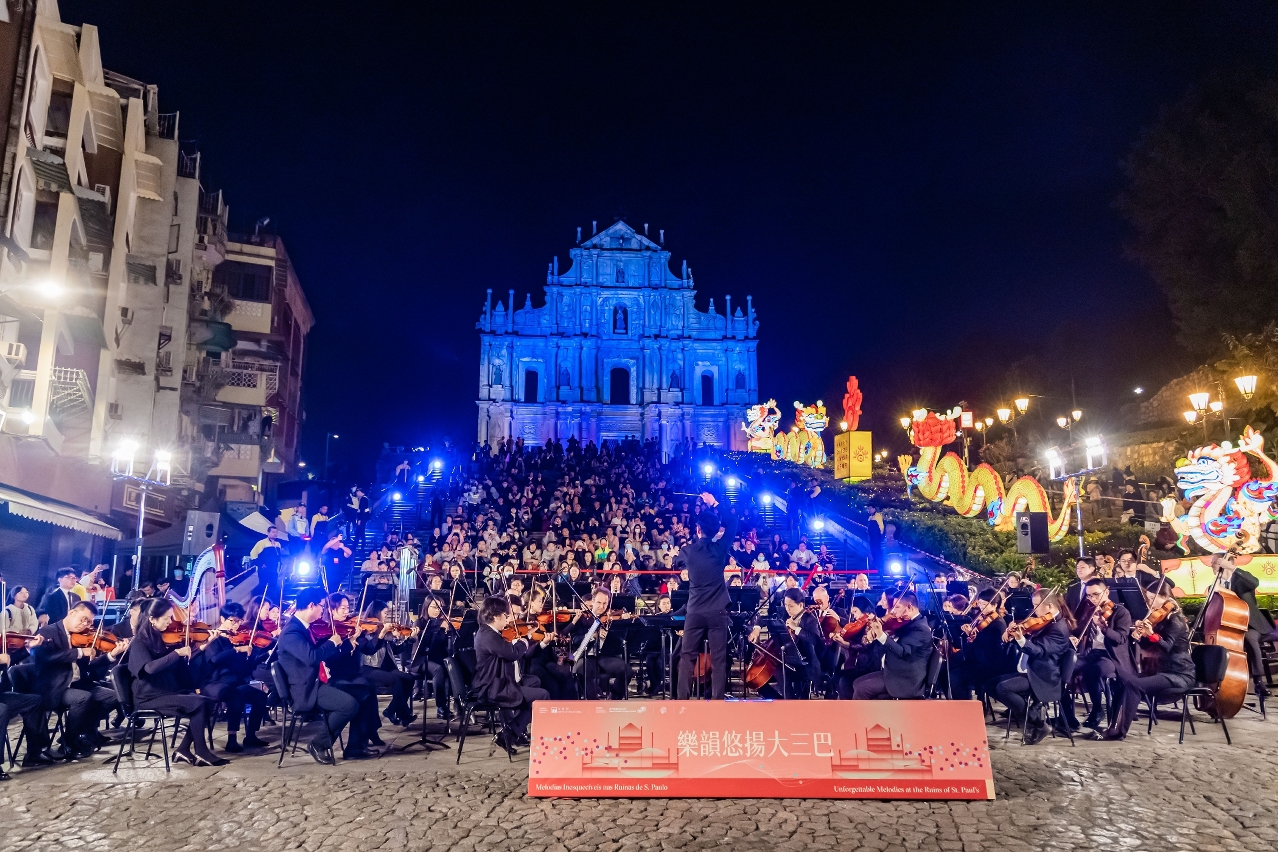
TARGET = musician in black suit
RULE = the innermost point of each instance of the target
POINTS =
(161, 680)
(1244, 585)
(984, 656)
(428, 652)
(59, 600)
(798, 640)
(300, 657)
(1170, 640)
(497, 670)
(707, 609)
(1038, 677)
(905, 655)
(61, 682)
(228, 670)
(1100, 641)
(27, 705)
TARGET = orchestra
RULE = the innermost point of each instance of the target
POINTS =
(669, 602)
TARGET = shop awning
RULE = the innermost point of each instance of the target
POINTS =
(58, 514)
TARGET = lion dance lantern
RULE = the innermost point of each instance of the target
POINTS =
(761, 426)
(803, 444)
(1230, 507)
(945, 479)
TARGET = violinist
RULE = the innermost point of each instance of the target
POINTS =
(379, 667)
(429, 650)
(1244, 584)
(1076, 592)
(26, 705)
(160, 682)
(62, 683)
(497, 676)
(1100, 641)
(906, 652)
(346, 674)
(654, 660)
(856, 656)
(301, 655)
(547, 658)
(229, 670)
(984, 658)
(797, 640)
(588, 632)
(1169, 634)
(1044, 644)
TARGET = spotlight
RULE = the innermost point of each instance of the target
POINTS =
(732, 482)
(28, 417)
(707, 469)
(818, 524)
(765, 499)
(436, 464)
(421, 478)
(1138, 391)
(397, 496)
(895, 566)
(304, 568)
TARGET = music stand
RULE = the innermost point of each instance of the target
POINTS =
(626, 603)
(744, 598)
(678, 599)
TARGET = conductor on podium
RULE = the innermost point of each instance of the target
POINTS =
(706, 614)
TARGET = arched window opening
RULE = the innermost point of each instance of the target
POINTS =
(619, 386)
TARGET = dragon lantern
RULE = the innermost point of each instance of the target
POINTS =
(1230, 507)
(761, 426)
(945, 479)
(803, 443)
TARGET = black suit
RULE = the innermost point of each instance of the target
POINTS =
(1098, 655)
(905, 658)
(800, 653)
(55, 604)
(56, 669)
(1244, 585)
(1176, 672)
(707, 609)
(1043, 654)
(300, 657)
(494, 679)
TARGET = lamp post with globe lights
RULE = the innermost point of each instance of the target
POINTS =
(157, 476)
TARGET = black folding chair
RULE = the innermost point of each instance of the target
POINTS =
(122, 683)
(468, 704)
(292, 722)
(1211, 662)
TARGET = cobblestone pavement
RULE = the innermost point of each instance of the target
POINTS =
(1145, 793)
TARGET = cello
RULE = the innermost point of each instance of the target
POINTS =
(1225, 618)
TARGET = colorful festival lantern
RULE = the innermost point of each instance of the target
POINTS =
(761, 425)
(945, 479)
(1230, 507)
(852, 405)
(803, 443)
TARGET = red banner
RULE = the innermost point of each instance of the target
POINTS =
(760, 749)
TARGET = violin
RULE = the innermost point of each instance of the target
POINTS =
(261, 639)
(974, 627)
(1105, 610)
(561, 616)
(1157, 615)
(177, 634)
(829, 621)
(855, 627)
(16, 641)
(1029, 626)
(103, 641)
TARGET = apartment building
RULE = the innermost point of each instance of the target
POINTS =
(127, 312)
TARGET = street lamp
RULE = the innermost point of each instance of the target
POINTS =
(1199, 402)
(1096, 459)
(1022, 404)
(328, 436)
(1062, 422)
(1004, 415)
(1246, 386)
(905, 423)
(1191, 416)
(159, 475)
(1077, 414)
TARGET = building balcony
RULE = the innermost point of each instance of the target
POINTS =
(242, 461)
(247, 382)
(251, 317)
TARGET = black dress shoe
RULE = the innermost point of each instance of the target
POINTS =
(1035, 735)
(405, 721)
(320, 755)
(357, 754)
(441, 713)
(37, 759)
(252, 741)
(376, 740)
(1093, 722)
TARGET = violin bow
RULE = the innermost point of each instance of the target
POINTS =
(4, 618)
(328, 606)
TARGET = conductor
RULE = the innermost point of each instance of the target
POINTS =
(706, 614)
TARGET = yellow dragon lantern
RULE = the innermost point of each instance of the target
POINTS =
(945, 479)
(803, 443)
(761, 426)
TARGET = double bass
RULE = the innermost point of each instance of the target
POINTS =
(1225, 619)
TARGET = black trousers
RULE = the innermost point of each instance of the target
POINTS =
(523, 713)
(396, 683)
(654, 665)
(1096, 667)
(698, 628)
(86, 704)
(235, 696)
(340, 707)
(1135, 685)
(557, 680)
(188, 704)
(1014, 691)
(366, 722)
(603, 674)
(438, 676)
(870, 687)
(1251, 644)
(28, 707)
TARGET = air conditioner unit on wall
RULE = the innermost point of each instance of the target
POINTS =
(105, 191)
(115, 410)
(15, 353)
(188, 374)
(126, 315)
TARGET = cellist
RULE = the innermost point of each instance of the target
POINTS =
(1244, 585)
(799, 642)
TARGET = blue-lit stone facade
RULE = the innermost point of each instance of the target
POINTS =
(617, 323)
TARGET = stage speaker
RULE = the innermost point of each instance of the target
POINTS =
(1031, 532)
(200, 533)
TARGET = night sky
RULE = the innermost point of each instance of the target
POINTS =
(921, 195)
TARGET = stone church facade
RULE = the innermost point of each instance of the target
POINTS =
(617, 349)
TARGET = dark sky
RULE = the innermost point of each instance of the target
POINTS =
(920, 194)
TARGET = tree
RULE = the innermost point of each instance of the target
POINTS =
(1202, 196)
